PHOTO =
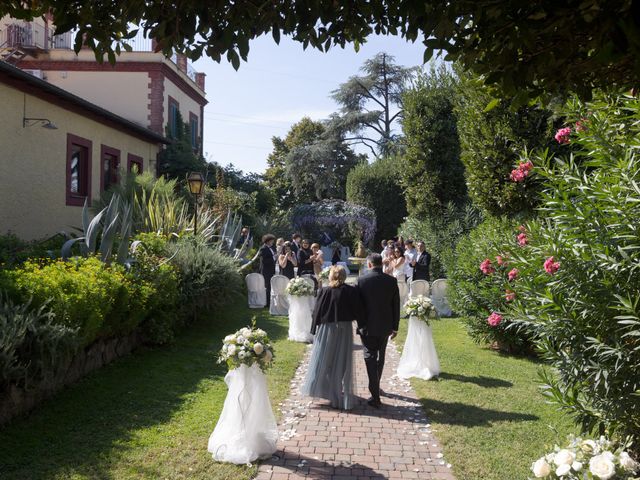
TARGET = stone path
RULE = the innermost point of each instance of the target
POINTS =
(395, 441)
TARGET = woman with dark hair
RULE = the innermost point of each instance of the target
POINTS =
(330, 372)
(287, 261)
(397, 264)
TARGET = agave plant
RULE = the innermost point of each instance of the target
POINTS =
(100, 232)
(230, 234)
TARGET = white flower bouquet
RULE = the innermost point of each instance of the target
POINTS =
(247, 346)
(421, 308)
(585, 459)
(324, 274)
(299, 287)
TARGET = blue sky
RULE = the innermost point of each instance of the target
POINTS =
(278, 86)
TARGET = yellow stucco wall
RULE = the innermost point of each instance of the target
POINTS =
(124, 93)
(187, 104)
(33, 164)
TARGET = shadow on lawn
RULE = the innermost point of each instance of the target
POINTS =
(481, 380)
(456, 413)
(81, 429)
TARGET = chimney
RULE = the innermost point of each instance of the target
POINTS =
(181, 62)
(200, 80)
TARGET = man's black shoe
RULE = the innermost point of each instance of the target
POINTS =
(376, 403)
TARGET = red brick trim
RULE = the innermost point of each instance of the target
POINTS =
(74, 199)
(156, 102)
(135, 160)
(84, 66)
(106, 150)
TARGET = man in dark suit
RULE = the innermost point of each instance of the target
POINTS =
(267, 262)
(379, 321)
(421, 264)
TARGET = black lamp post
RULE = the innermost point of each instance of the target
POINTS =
(196, 185)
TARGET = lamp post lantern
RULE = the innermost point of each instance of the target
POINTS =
(196, 185)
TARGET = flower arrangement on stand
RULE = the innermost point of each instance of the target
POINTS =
(247, 346)
(585, 459)
(421, 308)
(299, 287)
(324, 274)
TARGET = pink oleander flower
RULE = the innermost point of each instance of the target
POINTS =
(500, 260)
(522, 239)
(487, 267)
(494, 319)
(581, 125)
(550, 266)
(562, 135)
(513, 274)
(509, 295)
(526, 166)
(517, 175)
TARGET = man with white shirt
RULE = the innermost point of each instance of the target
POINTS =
(410, 256)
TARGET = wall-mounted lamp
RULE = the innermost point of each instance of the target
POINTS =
(44, 123)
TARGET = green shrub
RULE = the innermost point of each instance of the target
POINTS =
(475, 295)
(208, 278)
(158, 283)
(585, 310)
(441, 234)
(377, 186)
(32, 345)
(14, 251)
(86, 294)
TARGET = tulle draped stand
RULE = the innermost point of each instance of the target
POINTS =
(246, 430)
(419, 357)
(330, 372)
(300, 319)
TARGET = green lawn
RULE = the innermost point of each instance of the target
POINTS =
(486, 409)
(147, 416)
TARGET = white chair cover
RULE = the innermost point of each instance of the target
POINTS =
(404, 292)
(246, 429)
(257, 292)
(419, 357)
(342, 264)
(439, 297)
(419, 287)
(300, 319)
(279, 299)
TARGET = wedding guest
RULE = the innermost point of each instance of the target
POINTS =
(244, 237)
(267, 262)
(410, 256)
(330, 372)
(422, 263)
(287, 261)
(318, 258)
(279, 245)
(383, 244)
(336, 256)
(387, 257)
(305, 259)
(397, 264)
(296, 243)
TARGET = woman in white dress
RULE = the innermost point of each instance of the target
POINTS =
(397, 265)
(318, 261)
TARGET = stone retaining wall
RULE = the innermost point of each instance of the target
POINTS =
(17, 401)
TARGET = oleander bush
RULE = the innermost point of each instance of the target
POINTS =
(32, 344)
(476, 285)
(208, 277)
(579, 282)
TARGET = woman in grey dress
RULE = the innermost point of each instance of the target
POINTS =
(330, 373)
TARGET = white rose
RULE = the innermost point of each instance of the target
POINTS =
(245, 331)
(602, 466)
(268, 356)
(563, 469)
(229, 338)
(627, 462)
(247, 343)
(541, 468)
(240, 339)
(564, 457)
(260, 332)
(577, 466)
(231, 350)
(589, 446)
(258, 348)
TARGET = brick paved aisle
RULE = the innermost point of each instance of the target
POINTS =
(394, 441)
